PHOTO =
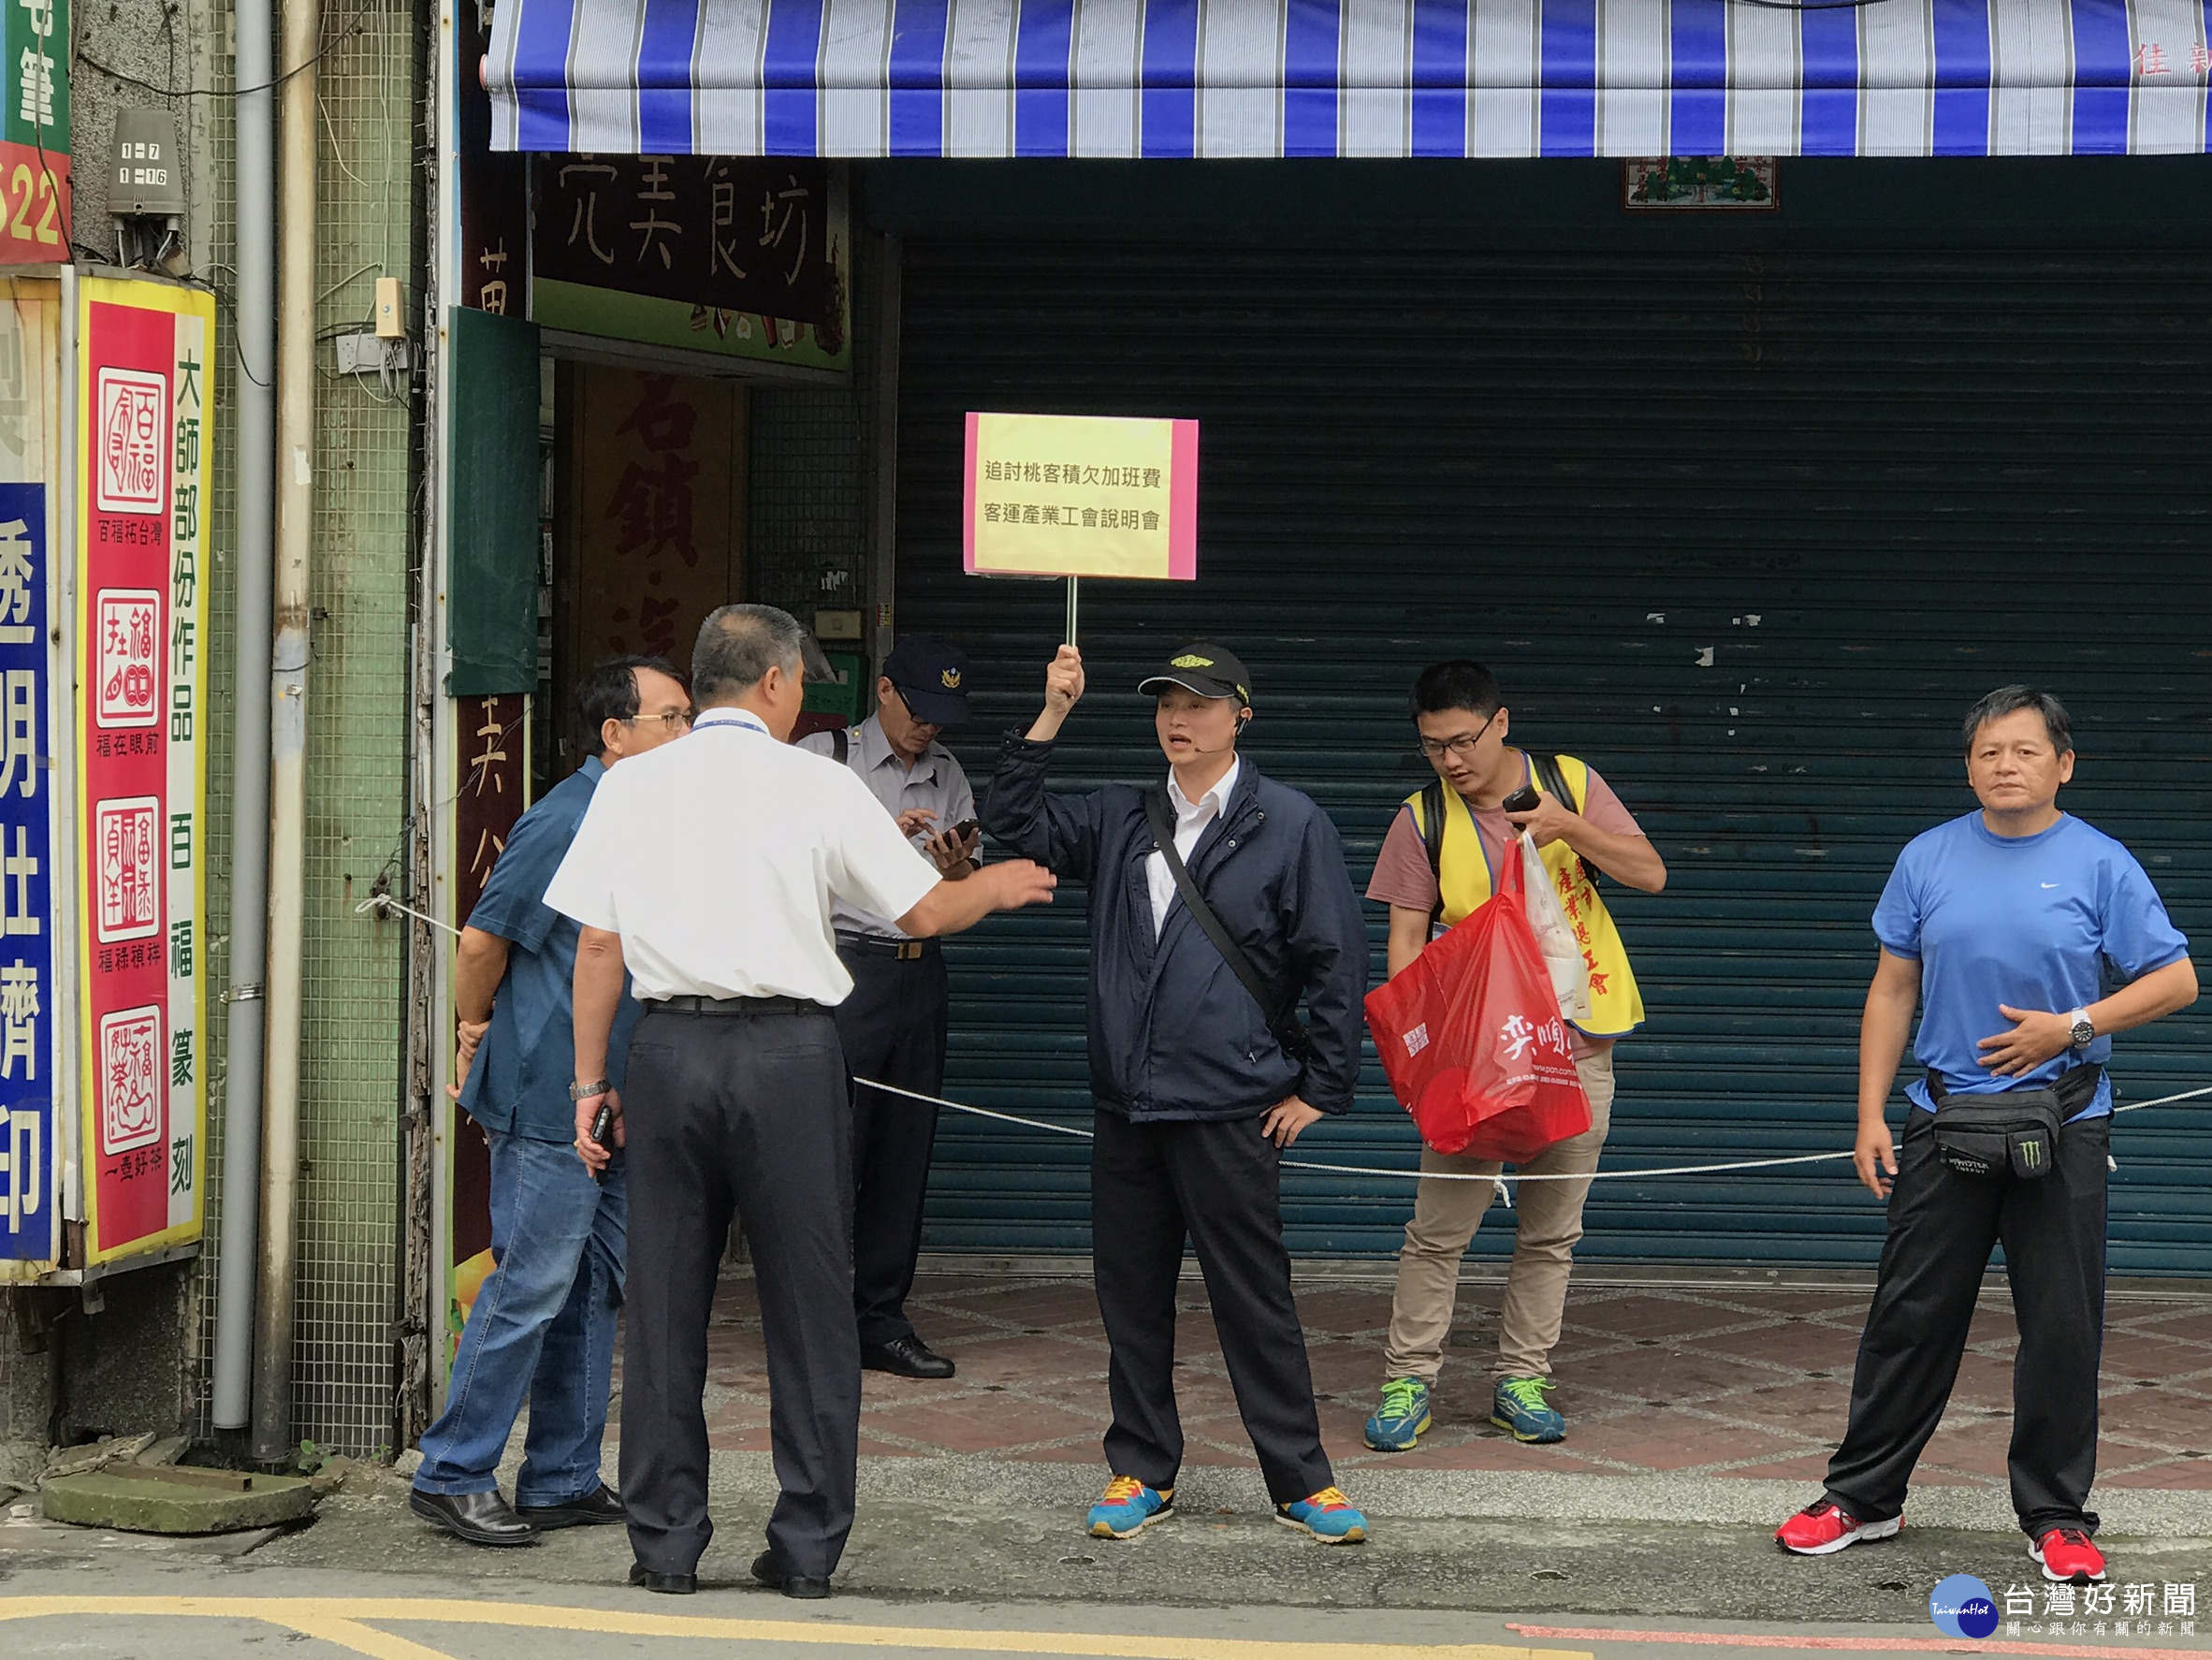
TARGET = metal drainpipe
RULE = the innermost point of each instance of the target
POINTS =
(255, 320)
(288, 775)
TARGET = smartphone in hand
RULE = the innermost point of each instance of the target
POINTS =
(602, 1130)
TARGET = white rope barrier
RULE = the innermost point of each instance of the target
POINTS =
(1499, 1180)
(383, 905)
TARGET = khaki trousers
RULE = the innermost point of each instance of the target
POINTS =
(1445, 1217)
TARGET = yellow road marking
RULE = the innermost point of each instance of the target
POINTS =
(362, 1639)
(342, 1620)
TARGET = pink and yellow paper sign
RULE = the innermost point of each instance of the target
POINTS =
(1082, 496)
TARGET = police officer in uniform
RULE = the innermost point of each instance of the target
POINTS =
(708, 870)
(892, 1025)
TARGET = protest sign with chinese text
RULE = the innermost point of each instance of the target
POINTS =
(145, 396)
(1082, 496)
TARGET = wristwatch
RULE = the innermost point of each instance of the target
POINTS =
(2084, 1029)
(584, 1092)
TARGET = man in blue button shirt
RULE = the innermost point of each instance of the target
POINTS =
(1996, 925)
(542, 1326)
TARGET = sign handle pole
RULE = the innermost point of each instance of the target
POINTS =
(1072, 584)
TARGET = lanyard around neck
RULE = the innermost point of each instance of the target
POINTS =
(740, 724)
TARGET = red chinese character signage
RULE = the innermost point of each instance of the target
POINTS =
(144, 393)
(660, 509)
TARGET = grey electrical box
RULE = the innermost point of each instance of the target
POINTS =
(143, 175)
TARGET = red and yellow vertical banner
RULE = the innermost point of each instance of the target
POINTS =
(144, 408)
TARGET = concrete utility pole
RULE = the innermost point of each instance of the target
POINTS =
(287, 774)
(240, 1220)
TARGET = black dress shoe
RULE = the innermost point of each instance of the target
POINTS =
(906, 1357)
(769, 1572)
(596, 1509)
(667, 1584)
(480, 1517)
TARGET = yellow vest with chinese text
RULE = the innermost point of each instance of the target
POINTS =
(1616, 1006)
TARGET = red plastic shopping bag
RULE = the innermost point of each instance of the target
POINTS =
(1471, 1037)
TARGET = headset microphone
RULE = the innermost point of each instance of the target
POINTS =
(1244, 719)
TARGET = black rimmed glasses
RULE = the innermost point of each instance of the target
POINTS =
(1462, 746)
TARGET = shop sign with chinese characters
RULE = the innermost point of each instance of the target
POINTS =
(738, 256)
(31, 1156)
(145, 394)
(1082, 496)
(658, 481)
(35, 133)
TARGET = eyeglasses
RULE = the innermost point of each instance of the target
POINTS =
(906, 704)
(1463, 745)
(674, 722)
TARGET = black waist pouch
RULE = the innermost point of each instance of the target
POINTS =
(1986, 1135)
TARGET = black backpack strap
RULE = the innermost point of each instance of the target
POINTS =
(1552, 780)
(1432, 839)
(1286, 1028)
(839, 744)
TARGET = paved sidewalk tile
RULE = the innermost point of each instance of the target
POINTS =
(1701, 1381)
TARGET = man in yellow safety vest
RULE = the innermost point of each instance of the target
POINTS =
(1440, 862)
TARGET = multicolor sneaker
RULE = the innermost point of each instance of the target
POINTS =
(1519, 1407)
(2068, 1556)
(1128, 1508)
(1825, 1528)
(1404, 1414)
(1328, 1515)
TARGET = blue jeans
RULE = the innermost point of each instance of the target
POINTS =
(542, 1327)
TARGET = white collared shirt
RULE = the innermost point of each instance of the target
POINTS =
(1191, 818)
(937, 781)
(718, 859)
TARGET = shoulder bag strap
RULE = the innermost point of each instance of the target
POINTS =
(1288, 1031)
(1432, 840)
(838, 744)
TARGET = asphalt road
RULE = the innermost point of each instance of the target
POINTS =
(956, 1576)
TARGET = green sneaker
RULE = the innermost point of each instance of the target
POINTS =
(1404, 1414)
(1519, 1407)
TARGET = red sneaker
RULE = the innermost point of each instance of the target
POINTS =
(1825, 1528)
(2068, 1556)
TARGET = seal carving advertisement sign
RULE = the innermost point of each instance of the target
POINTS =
(145, 389)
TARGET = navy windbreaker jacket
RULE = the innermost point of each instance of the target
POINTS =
(1174, 1033)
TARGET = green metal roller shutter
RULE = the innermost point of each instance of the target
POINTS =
(1749, 532)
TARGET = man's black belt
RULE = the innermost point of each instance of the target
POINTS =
(876, 945)
(734, 1005)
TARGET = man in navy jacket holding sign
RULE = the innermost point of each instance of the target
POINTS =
(1199, 1086)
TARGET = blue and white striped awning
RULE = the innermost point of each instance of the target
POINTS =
(1351, 78)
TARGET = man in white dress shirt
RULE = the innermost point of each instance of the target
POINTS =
(724, 930)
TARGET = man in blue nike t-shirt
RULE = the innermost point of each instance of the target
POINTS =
(1997, 927)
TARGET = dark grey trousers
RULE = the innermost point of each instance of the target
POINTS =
(893, 1029)
(1942, 1227)
(746, 1111)
(1219, 1185)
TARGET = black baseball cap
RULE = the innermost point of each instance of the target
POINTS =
(932, 677)
(1206, 668)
